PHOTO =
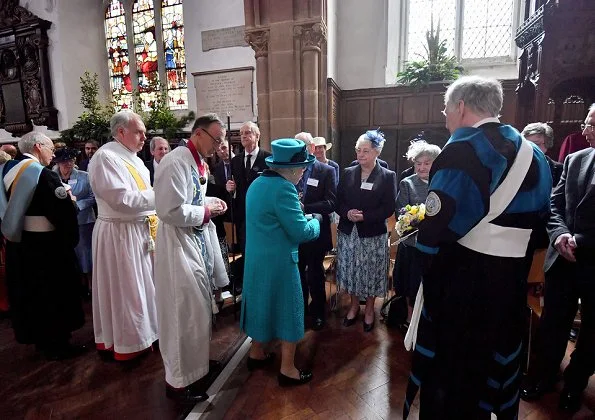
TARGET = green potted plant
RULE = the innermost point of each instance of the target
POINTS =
(437, 65)
(93, 124)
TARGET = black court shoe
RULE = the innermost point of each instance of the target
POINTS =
(305, 377)
(348, 322)
(260, 363)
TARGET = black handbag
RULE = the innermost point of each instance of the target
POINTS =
(394, 311)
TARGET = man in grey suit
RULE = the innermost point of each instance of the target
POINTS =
(569, 275)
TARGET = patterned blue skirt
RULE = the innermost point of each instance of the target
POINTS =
(362, 264)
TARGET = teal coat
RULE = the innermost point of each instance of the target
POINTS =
(272, 302)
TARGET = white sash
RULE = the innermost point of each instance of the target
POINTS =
(486, 237)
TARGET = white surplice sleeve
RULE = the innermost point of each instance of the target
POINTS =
(172, 197)
(110, 181)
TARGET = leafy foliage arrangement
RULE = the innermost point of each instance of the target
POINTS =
(437, 65)
(93, 124)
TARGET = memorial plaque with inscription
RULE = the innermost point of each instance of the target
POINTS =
(226, 92)
(223, 38)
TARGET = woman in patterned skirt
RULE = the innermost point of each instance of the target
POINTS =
(365, 199)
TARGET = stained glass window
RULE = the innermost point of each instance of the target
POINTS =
(175, 58)
(145, 51)
(117, 52)
(473, 29)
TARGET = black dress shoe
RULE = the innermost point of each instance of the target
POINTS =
(570, 401)
(66, 352)
(534, 392)
(318, 324)
(186, 395)
(305, 377)
(260, 363)
(348, 322)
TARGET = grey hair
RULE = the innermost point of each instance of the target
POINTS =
(29, 140)
(422, 148)
(543, 129)
(363, 138)
(483, 96)
(253, 127)
(4, 157)
(305, 137)
(153, 143)
(121, 119)
(592, 107)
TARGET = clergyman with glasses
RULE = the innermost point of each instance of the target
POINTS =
(40, 225)
(188, 261)
(569, 271)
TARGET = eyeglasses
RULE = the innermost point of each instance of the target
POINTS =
(217, 141)
(51, 149)
(588, 127)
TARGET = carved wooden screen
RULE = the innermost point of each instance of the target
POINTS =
(25, 87)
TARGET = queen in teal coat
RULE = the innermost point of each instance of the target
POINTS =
(272, 302)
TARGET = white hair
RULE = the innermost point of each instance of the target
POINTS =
(153, 143)
(253, 127)
(122, 119)
(540, 128)
(363, 138)
(483, 96)
(422, 148)
(29, 140)
(305, 137)
(592, 107)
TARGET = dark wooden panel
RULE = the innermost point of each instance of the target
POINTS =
(386, 111)
(415, 109)
(436, 108)
(357, 113)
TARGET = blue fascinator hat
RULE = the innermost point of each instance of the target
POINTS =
(289, 153)
(64, 154)
(376, 137)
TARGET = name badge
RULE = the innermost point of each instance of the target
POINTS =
(367, 186)
(313, 182)
(72, 181)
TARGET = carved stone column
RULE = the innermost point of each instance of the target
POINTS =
(289, 41)
(259, 41)
(312, 39)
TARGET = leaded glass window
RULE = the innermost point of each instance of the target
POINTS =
(117, 53)
(175, 59)
(145, 51)
(154, 31)
(474, 30)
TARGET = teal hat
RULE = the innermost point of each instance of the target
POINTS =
(289, 153)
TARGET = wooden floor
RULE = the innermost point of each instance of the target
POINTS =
(87, 387)
(357, 375)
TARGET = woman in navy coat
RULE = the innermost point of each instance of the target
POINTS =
(81, 193)
(365, 199)
(272, 301)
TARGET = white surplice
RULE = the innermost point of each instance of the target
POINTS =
(124, 313)
(182, 283)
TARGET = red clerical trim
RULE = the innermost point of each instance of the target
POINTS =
(197, 159)
(121, 356)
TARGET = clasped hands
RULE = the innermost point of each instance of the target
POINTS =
(355, 215)
(565, 244)
(216, 206)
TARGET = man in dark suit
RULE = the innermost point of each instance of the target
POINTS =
(569, 274)
(158, 147)
(245, 168)
(91, 147)
(318, 193)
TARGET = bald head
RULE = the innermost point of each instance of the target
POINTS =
(10, 149)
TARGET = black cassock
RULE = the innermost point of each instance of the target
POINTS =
(41, 271)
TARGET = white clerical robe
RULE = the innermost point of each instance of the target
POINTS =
(183, 285)
(124, 313)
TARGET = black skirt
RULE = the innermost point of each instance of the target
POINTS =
(407, 271)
